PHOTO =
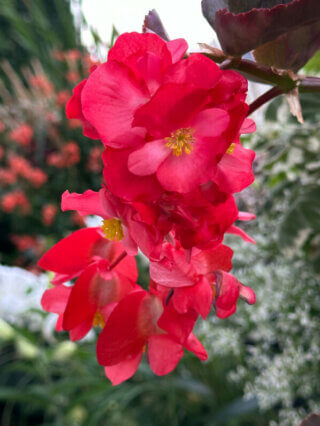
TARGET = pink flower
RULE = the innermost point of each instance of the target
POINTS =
(201, 281)
(142, 323)
(135, 224)
(105, 276)
(175, 117)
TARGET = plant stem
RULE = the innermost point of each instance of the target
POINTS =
(267, 96)
(118, 260)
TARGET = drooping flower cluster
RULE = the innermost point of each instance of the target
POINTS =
(170, 125)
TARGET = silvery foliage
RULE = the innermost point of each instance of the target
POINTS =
(275, 342)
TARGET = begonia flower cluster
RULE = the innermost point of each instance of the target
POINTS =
(170, 124)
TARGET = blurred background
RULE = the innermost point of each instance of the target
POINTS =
(264, 362)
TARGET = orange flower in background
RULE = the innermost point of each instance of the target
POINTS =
(7, 177)
(55, 160)
(41, 82)
(49, 212)
(2, 126)
(62, 97)
(68, 157)
(72, 55)
(71, 154)
(37, 177)
(94, 163)
(23, 242)
(22, 134)
(15, 199)
(73, 76)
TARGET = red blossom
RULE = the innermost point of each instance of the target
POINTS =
(171, 127)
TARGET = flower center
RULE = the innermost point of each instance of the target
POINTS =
(231, 148)
(112, 229)
(181, 139)
(98, 320)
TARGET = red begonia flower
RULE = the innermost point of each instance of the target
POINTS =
(74, 254)
(135, 326)
(135, 224)
(192, 279)
(176, 119)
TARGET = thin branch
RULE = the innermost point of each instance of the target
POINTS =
(267, 96)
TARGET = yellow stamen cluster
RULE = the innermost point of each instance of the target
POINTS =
(112, 229)
(98, 320)
(231, 148)
(181, 140)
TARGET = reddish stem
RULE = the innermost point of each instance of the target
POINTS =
(118, 260)
(267, 96)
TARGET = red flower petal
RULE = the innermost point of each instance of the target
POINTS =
(177, 48)
(164, 354)
(125, 184)
(55, 299)
(124, 370)
(71, 254)
(234, 171)
(194, 345)
(85, 204)
(125, 333)
(196, 69)
(146, 160)
(213, 259)
(109, 101)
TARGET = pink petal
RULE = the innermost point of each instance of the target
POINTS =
(81, 303)
(125, 184)
(175, 272)
(194, 345)
(146, 160)
(109, 101)
(234, 171)
(164, 354)
(81, 330)
(227, 294)
(177, 48)
(178, 325)
(74, 110)
(122, 336)
(55, 299)
(198, 297)
(73, 253)
(124, 370)
(172, 107)
(247, 294)
(186, 172)
(130, 46)
(246, 216)
(87, 203)
(210, 123)
(212, 259)
(240, 233)
(248, 126)
(196, 69)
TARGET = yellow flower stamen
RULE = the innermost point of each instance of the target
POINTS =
(112, 229)
(181, 140)
(98, 320)
(231, 148)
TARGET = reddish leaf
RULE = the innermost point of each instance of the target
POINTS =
(256, 23)
(152, 22)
